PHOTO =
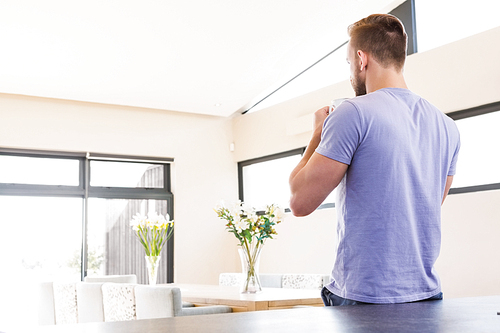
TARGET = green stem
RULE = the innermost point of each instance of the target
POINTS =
(251, 257)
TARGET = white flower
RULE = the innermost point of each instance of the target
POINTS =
(165, 221)
(247, 209)
(279, 214)
(252, 217)
(236, 209)
(153, 231)
(162, 219)
(220, 206)
(138, 220)
(241, 225)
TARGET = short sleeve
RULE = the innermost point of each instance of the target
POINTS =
(453, 165)
(341, 134)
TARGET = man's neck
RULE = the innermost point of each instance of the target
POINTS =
(379, 78)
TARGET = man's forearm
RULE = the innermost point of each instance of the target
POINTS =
(319, 119)
(313, 144)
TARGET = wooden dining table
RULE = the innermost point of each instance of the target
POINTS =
(268, 299)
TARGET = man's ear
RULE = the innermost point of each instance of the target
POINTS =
(363, 59)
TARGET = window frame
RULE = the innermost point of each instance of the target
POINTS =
(85, 191)
(468, 113)
(242, 164)
(267, 158)
(14, 189)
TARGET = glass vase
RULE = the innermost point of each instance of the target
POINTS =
(250, 259)
(152, 264)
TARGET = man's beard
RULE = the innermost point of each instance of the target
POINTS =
(358, 85)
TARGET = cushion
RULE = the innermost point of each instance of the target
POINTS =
(230, 279)
(302, 281)
(118, 301)
(65, 306)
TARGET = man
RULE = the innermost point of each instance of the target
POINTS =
(392, 155)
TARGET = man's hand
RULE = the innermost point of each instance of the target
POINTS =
(319, 119)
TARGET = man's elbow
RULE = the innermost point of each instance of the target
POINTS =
(299, 208)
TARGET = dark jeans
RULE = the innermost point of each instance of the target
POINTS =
(333, 300)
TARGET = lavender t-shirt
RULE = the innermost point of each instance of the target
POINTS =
(400, 150)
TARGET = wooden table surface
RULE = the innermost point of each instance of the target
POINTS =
(475, 314)
(268, 299)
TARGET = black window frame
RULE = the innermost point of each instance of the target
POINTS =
(468, 113)
(85, 191)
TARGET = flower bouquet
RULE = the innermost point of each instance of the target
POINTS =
(153, 231)
(252, 229)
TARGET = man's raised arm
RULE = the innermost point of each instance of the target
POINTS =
(316, 176)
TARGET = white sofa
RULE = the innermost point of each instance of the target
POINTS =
(82, 302)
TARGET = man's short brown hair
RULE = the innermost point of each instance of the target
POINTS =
(383, 36)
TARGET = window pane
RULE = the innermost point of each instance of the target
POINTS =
(266, 182)
(39, 171)
(445, 21)
(479, 158)
(113, 247)
(123, 174)
(40, 241)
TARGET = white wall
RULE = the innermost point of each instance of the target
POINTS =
(453, 77)
(468, 264)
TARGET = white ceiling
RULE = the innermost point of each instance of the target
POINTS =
(182, 55)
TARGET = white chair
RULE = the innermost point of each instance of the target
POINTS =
(90, 302)
(158, 301)
(46, 309)
(271, 280)
(302, 281)
(236, 279)
(129, 278)
(82, 302)
(326, 279)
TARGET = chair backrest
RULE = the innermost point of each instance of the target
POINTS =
(271, 280)
(46, 310)
(123, 302)
(230, 279)
(157, 302)
(129, 278)
(302, 281)
(326, 279)
(89, 302)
